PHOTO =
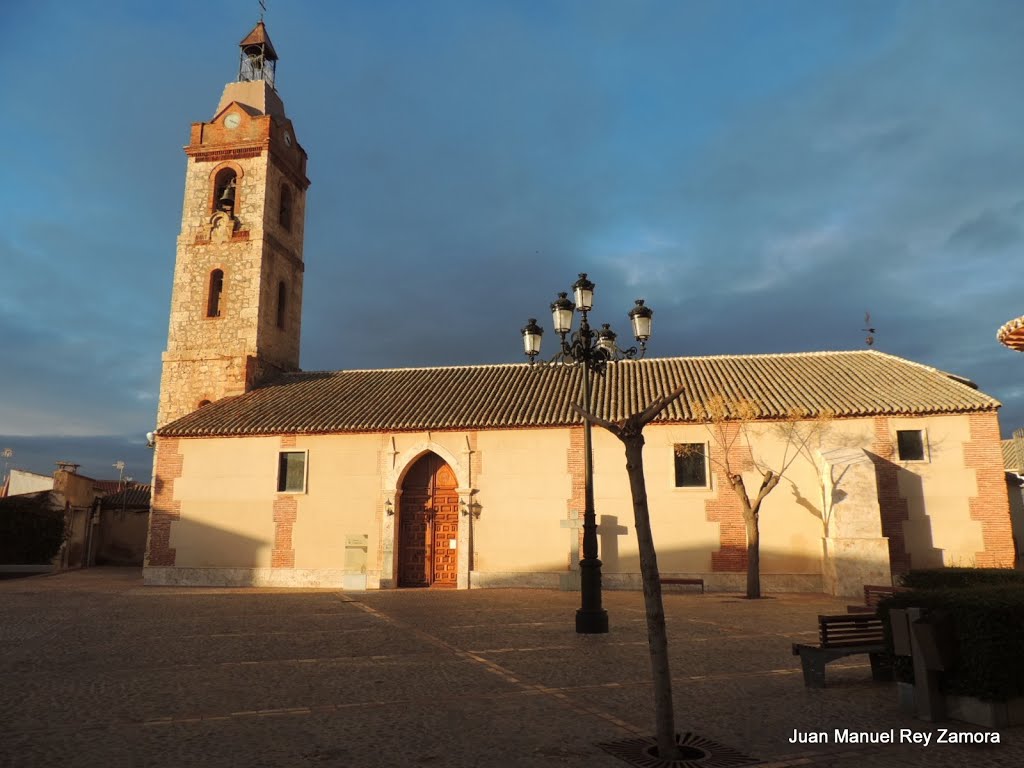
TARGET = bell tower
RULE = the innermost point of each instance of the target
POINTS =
(236, 303)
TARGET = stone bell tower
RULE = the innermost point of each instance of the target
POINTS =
(237, 298)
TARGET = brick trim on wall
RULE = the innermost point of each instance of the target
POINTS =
(230, 153)
(166, 510)
(286, 508)
(892, 506)
(725, 508)
(991, 507)
(285, 511)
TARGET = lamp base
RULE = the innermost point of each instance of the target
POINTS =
(592, 622)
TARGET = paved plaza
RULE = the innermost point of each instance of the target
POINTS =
(98, 670)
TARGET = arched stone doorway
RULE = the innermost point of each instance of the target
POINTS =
(428, 524)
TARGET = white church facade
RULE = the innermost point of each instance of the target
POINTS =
(473, 476)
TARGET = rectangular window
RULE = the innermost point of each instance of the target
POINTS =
(910, 444)
(691, 465)
(291, 472)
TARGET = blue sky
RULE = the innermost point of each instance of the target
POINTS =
(762, 173)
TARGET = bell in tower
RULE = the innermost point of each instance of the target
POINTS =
(258, 59)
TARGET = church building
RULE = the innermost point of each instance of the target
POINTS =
(473, 476)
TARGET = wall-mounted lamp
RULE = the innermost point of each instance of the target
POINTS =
(470, 508)
(151, 439)
(389, 508)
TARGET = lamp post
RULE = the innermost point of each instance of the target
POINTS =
(593, 350)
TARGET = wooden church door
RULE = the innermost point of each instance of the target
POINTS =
(428, 525)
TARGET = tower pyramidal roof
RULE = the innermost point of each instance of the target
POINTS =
(259, 37)
(257, 68)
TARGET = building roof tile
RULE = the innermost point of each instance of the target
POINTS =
(856, 383)
(131, 497)
(1011, 458)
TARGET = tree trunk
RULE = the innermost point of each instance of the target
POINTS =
(630, 432)
(657, 637)
(753, 556)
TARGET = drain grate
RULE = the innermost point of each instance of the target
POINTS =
(697, 752)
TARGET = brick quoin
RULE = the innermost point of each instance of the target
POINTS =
(726, 509)
(166, 510)
(893, 507)
(577, 481)
(286, 508)
(285, 512)
(991, 507)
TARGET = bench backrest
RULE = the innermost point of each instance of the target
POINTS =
(876, 593)
(846, 629)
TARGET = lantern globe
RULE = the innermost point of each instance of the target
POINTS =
(561, 313)
(583, 292)
(641, 316)
(531, 338)
(606, 339)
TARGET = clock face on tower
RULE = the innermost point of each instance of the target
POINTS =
(232, 121)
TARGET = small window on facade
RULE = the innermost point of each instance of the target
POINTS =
(691, 465)
(285, 214)
(216, 289)
(291, 472)
(282, 301)
(203, 403)
(910, 444)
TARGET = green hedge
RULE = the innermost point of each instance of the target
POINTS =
(988, 628)
(952, 578)
(30, 536)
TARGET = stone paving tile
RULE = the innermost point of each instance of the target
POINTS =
(452, 733)
(98, 670)
(218, 648)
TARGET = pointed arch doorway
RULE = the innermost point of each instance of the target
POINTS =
(428, 523)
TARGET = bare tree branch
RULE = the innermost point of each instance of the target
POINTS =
(615, 429)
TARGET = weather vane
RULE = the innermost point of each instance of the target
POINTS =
(868, 329)
(263, 8)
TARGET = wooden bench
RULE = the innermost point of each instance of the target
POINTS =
(675, 580)
(842, 635)
(873, 595)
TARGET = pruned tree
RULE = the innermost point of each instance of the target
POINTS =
(731, 424)
(630, 432)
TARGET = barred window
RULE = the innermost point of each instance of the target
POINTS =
(910, 444)
(291, 472)
(691, 465)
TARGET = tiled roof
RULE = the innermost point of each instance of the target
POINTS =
(132, 497)
(861, 383)
(1011, 459)
(259, 36)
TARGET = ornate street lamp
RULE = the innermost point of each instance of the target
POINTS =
(593, 350)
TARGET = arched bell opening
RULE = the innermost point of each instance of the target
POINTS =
(225, 186)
